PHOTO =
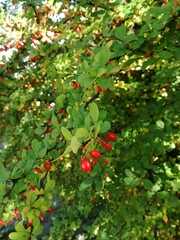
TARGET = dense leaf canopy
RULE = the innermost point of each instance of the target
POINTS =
(89, 119)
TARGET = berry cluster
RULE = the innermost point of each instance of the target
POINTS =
(86, 164)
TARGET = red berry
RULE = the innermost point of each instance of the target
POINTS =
(98, 89)
(47, 9)
(76, 85)
(48, 120)
(176, 3)
(23, 197)
(165, 221)
(51, 209)
(86, 165)
(60, 110)
(42, 217)
(95, 154)
(106, 161)
(32, 187)
(1, 223)
(47, 166)
(106, 145)
(29, 224)
(95, 161)
(37, 169)
(148, 53)
(111, 136)
(88, 52)
(16, 212)
(96, 6)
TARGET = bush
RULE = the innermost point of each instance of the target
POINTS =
(89, 119)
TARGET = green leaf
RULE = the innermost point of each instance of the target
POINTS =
(19, 235)
(75, 144)
(94, 111)
(18, 187)
(37, 230)
(60, 100)
(49, 185)
(105, 83)
(128, 173)
(160, 124)
(2, 173)
(42, 153)
(105, 127)
(97, 130)
(66, 133)
(20, 227)
(85, 80)
(102, 57)
(86, 183)
(82, 133)
(156, 188)
(54, 120)
(147, 184)
(36, 146)
(100, 72)
(67, 150)
(120, 33)
(165, 54)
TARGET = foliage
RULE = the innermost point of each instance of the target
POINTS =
(77, 70)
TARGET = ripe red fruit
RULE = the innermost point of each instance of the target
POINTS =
(29, 224)
(99, 89)
(95, 161)
(86, 165)
(88, 52)
(47, 166)
(111, 136)
(16, 212)
(106, 145)
(176, 3)
(96, 6)
(148, 53)
(76, 85)
(165, 221)
(1, 223)
(42, 217)
(32, 187)
(51, 209)
(47, 9)
(37, 169)
(48, 120)
(60, 110)
(106, 161)
(95, 154)
(23, 197)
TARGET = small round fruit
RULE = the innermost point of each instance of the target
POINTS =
(165, 221)
(29, 223)
(86, 165)
(1, 223)
(106, 145)
(42, 217)
(95, 154)
(16, 212)
(111, 136)
(32, 187)
(37, 169)
(51, 209)
(148, 53)
(47, 166)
